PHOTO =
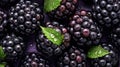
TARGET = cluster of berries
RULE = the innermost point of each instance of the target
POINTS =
(59, 33)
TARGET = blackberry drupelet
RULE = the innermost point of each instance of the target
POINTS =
(64, 10)
(110, 60)
(13, 46)
(8, 3)
(25, 17)
(84, 30)
(74, 57)
(3, 23)
(49, 48)
(34, 60)
(107, 12)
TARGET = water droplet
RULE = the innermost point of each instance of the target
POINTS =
(52, 36)
(100, 52)
(55, 39)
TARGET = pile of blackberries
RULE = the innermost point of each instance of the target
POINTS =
(59, 33)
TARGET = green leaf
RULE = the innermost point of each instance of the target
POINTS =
(50, 5)
(2, 54)
(2, 64)
(96, 52)
(54, 36)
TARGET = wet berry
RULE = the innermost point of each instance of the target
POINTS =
(46, 46)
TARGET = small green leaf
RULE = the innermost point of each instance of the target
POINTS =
(52, 35)
(2, 64)
(96, 52)
(2, 54)
(50, 5)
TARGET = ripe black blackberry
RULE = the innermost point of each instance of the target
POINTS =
(13, 46)
(3, 23)
(84, 30)
(107, 12)
(49, 48)
(115, 37)
(34, 60)
(25, 17)
(64, 10)
(74, 57)
(110, 60)
(8, 3)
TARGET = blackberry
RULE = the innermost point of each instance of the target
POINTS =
(49, 48)
(8, 3)
(107, 12)
(25, 17)
(13, 46)
(64, 10)
(83, 29)
(3, 23)
(72, 58)
(115, 37)
(34, 60)
(110, 60)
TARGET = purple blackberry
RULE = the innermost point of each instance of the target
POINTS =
(13, 46)
(25, 17)
(7, 3)
(3, 23)
(83, 29)
(64, 10)
(34, 60)
(48, 47)
(109, 60)
(107, 12)
(72, 58)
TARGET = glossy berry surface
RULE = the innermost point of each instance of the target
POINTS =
(26, 17)
(74, 57)
(13, 46)
(84, 30)
(49, 48)
(107, 12)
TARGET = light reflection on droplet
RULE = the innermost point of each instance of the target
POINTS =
(52, 36)
(55, 39)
